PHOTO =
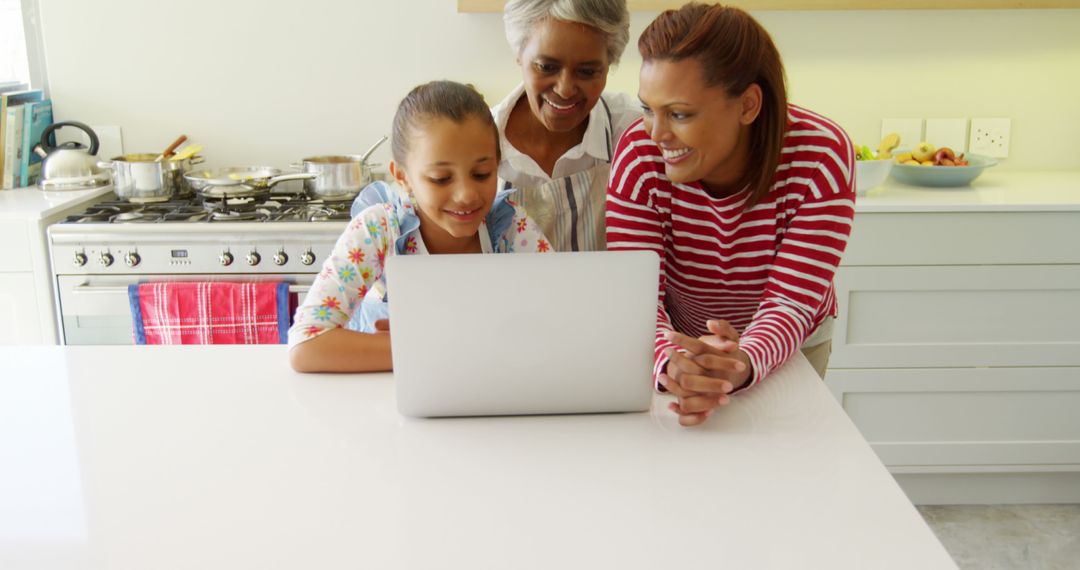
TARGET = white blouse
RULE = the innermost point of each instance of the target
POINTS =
(568, 205)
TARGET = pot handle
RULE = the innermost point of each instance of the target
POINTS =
(105, 164)
(296, 166)
(53, 127)
(285, 177)
(367, 153)
(197, 160)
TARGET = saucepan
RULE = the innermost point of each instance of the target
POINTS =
(239, 181)
(144, 178)
(338, 177)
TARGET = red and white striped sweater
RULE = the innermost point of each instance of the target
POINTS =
(768, 270)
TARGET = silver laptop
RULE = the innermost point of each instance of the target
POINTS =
(556, 333)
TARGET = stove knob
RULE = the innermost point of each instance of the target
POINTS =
(225, 258)
(132, 259)
(253, 258)
(307, 258)
(80, 259)
(280, 257)
(106, 259)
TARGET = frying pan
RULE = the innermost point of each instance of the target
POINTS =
(239, 181)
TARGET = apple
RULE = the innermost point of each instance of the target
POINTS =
(943, 155)
(923, 152)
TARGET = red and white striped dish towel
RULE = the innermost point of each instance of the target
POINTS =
(210, 312)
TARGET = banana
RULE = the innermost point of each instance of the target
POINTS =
(888, 144)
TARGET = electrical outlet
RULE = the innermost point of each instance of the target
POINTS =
(990, 137)
(950, 133)
(910, 131)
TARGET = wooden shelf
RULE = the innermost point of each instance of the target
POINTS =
(659, 5)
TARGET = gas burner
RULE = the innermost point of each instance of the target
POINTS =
(133, 217)
(323, 214)
(97, 213)
(186, 213)
(259, 215)
(231, 204)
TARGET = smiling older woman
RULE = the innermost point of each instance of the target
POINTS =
(558, 128)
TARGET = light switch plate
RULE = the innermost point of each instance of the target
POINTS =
(990, 137)
(910, 131)
(947, 132)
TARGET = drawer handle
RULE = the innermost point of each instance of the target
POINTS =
(87, 288)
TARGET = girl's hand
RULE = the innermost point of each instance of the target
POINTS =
(701, 378)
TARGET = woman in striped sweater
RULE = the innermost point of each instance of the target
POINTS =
(747, 199)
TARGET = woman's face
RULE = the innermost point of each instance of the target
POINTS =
(703, 132)
(565, 67)
(450, 172)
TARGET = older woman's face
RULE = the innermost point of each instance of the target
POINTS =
(565, 67)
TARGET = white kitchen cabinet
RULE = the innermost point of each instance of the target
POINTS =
(27, 310)
(957, 348)
(19, 311)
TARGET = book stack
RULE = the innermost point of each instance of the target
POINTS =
(24, 115)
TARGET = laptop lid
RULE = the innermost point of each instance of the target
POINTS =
(554, 333)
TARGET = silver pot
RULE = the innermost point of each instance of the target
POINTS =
(338, 177)
(141, 178)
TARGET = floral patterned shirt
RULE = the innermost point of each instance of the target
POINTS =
(355, 266)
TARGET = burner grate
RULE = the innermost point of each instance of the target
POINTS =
(275, 207)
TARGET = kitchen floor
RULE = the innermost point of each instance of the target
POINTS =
(990, 537)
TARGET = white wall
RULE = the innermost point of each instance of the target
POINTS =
(271, 81)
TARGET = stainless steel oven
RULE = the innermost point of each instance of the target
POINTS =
(95, 255)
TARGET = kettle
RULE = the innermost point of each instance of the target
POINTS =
(69, 166)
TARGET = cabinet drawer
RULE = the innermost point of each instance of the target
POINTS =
(958, 238)
(965, 416)
(15, 238)
(902, 317)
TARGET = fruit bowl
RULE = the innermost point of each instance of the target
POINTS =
(871, 174)
(943, 176)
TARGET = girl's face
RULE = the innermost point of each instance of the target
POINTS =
(451, 174)
(703, 132)
(565, 66)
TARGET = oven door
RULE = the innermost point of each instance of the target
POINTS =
(94, 309)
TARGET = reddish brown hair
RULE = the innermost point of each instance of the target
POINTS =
(735, 51)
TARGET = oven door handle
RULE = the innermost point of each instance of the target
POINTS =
(87, 288)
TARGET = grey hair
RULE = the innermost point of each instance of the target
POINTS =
(609, 16)
(434, 100)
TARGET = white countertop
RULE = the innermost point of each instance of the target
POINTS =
(121, 457)
(1001, 191)
(34, 204)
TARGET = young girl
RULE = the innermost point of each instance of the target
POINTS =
(445, 155)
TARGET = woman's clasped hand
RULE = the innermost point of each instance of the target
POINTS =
(703, 371)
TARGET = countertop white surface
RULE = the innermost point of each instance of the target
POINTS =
(34, 204)
(1000, 191)
(222, 457)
